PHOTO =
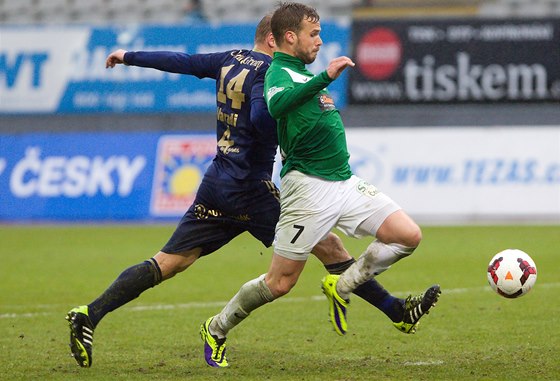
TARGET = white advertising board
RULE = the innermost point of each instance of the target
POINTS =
(35, 66)
(467, 174)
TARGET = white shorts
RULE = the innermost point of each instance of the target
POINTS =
(311, 207)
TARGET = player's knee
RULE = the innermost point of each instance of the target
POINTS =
(172, 264)
(401, 229)
(281, 287)
(181, 266)
(331, 250)
(334, 244)
(413, 236)
(408, 242)
(409, 235)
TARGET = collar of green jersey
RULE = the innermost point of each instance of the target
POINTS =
(290, 59)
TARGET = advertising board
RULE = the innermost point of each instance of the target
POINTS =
(455, 60)
(100, 176)
(464, 174)
(39, 74)
(442, 175)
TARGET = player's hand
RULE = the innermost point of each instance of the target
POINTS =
(117, 57)
(337, 66)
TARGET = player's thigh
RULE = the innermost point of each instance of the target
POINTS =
(198, 229)
(309, 210)
(400, 228)
(366, 208)
(263, 211)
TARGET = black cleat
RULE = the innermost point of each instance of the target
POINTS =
(81, 335)
(417, 306)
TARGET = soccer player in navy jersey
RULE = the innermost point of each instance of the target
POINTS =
(236, 194)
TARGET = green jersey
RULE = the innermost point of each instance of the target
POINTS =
(310, 131)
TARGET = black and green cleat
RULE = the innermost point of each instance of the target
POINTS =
(81, 335)
(417, 306)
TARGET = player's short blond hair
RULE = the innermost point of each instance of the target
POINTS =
(263, 29)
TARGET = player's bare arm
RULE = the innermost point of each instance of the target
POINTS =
(337, 66)
(117, 57)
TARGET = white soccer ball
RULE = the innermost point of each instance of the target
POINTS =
(512, 273)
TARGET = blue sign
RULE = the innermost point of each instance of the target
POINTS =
(100, 176)
(39, 74)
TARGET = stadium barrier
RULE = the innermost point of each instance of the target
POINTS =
(439, 175)
(455, 60)
(39, 74)
(464, 174)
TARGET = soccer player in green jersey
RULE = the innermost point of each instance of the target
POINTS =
(318, 190)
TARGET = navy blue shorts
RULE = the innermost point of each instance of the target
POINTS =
(222, 210)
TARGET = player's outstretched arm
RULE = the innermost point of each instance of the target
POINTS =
(337, 66)
(117, 57)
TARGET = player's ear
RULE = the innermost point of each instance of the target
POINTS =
(290, 37)
(270, 41)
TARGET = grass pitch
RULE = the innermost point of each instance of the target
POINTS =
(472, 334)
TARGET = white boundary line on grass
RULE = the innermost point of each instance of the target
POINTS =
(423, 363)
(158, 307)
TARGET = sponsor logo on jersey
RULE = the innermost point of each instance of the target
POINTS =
(367, 189)
(273, 91)
(202, 212)
(326, 103)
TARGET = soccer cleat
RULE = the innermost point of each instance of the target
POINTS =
(417, 306)
(81, 335)
(337, 305)
(214, 348)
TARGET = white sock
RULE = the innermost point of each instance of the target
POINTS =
(250, 296)
(377, 258)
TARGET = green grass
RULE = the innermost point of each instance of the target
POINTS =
(473, 334)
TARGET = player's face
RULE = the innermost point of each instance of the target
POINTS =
(308, 41)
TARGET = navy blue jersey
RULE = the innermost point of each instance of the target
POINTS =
(245, 132)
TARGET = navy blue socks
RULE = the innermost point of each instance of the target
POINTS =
(128, 286)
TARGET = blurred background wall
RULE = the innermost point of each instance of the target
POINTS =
(452, 108)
